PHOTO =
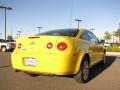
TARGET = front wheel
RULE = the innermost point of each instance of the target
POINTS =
(83, 75)
(3, 49)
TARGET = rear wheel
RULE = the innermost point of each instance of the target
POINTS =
(83, 75)
(3, 49)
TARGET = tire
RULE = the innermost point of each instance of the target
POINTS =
(83, 75)
(103, 62)
(3, 49)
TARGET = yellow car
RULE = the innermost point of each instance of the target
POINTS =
(59, 52)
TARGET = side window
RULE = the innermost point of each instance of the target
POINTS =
(85, 36)
(92, 37)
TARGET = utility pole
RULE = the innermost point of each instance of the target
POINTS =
(39, 29)
(5, 8)
(78, 20)
(19, 33)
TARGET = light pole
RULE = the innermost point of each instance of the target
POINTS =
(78, 20)
(6, 8)
(0, 35)
(92, 30)
(19, 33)
(39, 29)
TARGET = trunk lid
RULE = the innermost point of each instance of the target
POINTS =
(41, 44)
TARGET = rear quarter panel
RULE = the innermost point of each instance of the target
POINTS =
(82, 49)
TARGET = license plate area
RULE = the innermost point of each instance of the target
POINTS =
(28, 61)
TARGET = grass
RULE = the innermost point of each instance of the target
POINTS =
(112, 49)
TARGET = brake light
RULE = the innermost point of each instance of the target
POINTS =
(49, 45)
(19, 45)
(62, 46)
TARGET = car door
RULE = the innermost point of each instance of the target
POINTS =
(96, 47)
(89, 46)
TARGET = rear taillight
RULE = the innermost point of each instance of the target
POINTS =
(62, 46)
(19, 45)
(49, 45)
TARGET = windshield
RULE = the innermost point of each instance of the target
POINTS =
(61, 32)
(2, 40)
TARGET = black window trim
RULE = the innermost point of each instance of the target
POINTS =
(61, 32)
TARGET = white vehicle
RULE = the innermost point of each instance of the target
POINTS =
(4, 46)
(106, 44)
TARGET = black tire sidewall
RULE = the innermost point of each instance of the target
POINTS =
(80, 77)
(3, 48)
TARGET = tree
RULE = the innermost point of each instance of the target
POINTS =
(107, 36)
(117, 34)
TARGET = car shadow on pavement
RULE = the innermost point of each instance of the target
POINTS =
(5, 66)
(98, 69)
(94, 71)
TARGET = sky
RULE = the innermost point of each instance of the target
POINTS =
(27, 15)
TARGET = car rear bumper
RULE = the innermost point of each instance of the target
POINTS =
(45, 63)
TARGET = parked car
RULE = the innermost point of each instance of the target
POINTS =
(59, 52)
(4, 46)
(12, 44)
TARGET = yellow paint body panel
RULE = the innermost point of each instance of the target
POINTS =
(58, 64)
(50, 61)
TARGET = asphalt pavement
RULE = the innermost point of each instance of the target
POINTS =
(101, 77)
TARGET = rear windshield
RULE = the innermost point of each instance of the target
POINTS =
(61, 32)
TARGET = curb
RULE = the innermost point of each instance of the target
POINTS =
(113, 53)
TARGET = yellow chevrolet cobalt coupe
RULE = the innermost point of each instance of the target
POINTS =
(59, 52)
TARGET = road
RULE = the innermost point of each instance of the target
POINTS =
(101, 78)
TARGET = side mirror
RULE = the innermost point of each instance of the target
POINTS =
(102, 41)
